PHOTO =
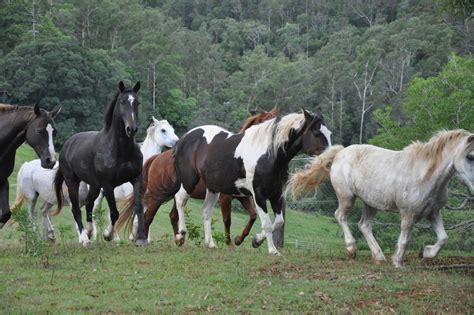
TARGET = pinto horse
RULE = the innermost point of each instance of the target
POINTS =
(17, 125)
(254, 163)
(104, 160)
(160, 184)
(412, 181)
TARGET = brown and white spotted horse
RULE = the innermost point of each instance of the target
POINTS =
(254, 163)
(17, 125)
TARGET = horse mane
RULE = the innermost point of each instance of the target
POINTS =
(275, 132)
(24, 111)
(109, 111)
(259, 118)
(433, 149)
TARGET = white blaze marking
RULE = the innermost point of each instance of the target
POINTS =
(49, 129)
(130, 100)
(327, 133)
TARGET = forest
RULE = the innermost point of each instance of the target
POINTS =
(385, 72)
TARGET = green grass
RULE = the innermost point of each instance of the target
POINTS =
(164, 278)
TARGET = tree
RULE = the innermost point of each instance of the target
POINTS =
(444, 101)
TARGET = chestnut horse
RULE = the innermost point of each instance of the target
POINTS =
(160, 184)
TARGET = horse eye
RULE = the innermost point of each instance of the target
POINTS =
(163, 130)
(40, 131)
(470, 157)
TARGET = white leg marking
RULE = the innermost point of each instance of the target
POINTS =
(84, 238)
(181, 198)
(278, 223)
(266, 230)
(403, 240)
(207, 209)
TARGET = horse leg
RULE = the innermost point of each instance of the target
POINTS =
(48, 226)
(407, 222)
(207, 209)
(436, 220)
(97, 205)
(345, 205)
(181, 199)
(137, 187)
(278, 205)
(114, 214)
(31, 210)
(4, 206)
(174, 218)
(226, 204)
(248, 204)
(73, 189)
(267, 227)
(132, 236)
(365, 226)
(90, 201)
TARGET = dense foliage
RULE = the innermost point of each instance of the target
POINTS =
(213, 61)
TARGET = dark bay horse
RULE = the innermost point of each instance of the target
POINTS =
(160, 184)
(254, 163)
(17, 125)
(104, 159)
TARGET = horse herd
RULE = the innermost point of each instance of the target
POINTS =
(212, 163)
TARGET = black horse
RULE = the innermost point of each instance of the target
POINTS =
(104, 159)
(17, 125)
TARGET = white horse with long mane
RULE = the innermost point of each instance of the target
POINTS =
(33, 181)
(412, 181)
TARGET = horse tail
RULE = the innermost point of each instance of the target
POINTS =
(127, 214)
(314, 174)
(20, 196)
(58, 188)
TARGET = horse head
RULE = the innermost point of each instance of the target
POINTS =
(464, 161)
(127, 106)
(316, 136)
(162, 133)
(40, 133)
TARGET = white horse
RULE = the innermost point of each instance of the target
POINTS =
(412, 181)
(33, 181)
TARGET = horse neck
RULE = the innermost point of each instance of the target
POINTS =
(290, 148)
(149, 148)
(13, 132)
(118, 137)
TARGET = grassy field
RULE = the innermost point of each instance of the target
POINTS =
(162, 278)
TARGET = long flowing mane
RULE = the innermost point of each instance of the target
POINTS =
(434, 148)
(275, 132)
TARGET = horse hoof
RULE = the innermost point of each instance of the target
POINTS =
(351, 254)
(108, 238)
(275, 253)
(141, 242)
(255, 243)
(378, 262)
(51, 239)
(179, 242)
(238, 240)
(86, 244)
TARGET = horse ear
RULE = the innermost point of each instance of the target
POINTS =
(136, 87)
(155, 121)
(37, 110)
(470, 139)
(253, 111)
(307, 115)
(319, 112)
(55, 111)
(121, 86)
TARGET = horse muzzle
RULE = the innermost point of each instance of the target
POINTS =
(131, 131)
(48, 163)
